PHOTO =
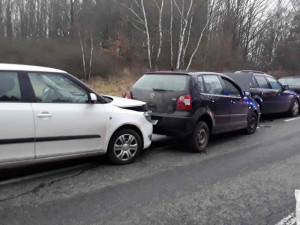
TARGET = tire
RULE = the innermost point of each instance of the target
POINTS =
(124, 147)
(294, 110)
(252, 124)
(198, 141)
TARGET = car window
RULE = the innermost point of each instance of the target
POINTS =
(9, 87)
(162, 82)
(56, 88)
(213, 84)
(274, 84)
(262, 82)
(200, 84)
(230, 89)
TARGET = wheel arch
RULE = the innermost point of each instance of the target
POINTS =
(207, 119)
(128, 126)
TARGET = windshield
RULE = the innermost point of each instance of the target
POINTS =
(291, 81)
(162, 82)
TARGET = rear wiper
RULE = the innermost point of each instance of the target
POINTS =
(156, 89)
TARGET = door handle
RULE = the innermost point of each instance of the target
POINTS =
(44, 115)
(212, 101)
(232, 102)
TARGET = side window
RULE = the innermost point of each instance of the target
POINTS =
(274, 84)
(230, 89)
(56, 88)
(213, 85)
(200, 84)
(9, 87)
(262, 82)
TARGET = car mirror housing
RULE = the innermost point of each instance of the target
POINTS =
(286, 87)
(246, 94)
(93, 98)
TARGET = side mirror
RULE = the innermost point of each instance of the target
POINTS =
(246, 94)
(93, 98)
(286, 87)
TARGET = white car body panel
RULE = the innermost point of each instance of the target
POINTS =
(17, 122)
(125, 103)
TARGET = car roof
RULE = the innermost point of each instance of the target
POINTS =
(185, 73)
(18, 67)
(290, 77)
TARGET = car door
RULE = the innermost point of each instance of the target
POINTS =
(217, 102)
(16, 119)
(266, 93)
(239, 108)
(65, 122)
(282, 99)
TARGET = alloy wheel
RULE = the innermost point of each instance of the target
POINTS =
(126, 147)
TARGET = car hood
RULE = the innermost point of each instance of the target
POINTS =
(125, 103)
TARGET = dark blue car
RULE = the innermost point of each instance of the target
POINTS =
(196, 105)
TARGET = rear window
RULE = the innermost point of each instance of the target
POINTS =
(162, 82)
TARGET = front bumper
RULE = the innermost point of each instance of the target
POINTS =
(147, 131)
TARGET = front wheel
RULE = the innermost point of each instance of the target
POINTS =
(198, 141)
(252, 124)
(124, 147)
(294, 111)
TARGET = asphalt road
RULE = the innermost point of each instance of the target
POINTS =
(240, 180)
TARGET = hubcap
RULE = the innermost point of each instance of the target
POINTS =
(296, 108)
(125, 147)
(201, 137)
(252, 123)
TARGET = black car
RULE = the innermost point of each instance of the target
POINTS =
(271, 95)
(292, 82)
(196, 105)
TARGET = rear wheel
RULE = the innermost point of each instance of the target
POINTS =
(252, 124)
(198, 141)
(294, 111)
(124, 147)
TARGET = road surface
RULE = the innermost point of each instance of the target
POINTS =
(240, 180)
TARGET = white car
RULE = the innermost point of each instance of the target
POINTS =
(47, 114)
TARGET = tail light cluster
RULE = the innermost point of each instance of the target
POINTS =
(128, 95)
(184, 102)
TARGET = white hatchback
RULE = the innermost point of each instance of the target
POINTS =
(47, 114)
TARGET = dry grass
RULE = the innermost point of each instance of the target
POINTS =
(116, 86)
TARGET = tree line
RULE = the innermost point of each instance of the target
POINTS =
(212, 35)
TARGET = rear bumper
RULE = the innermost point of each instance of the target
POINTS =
(173, 125)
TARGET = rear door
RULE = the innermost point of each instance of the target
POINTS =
(16, 119)
(267, 94)
(217, 102)
(238, 107)
(161, 91)
(65, 122)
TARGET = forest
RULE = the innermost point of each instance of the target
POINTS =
(100, 38)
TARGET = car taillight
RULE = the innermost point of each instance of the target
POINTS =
(184, 102)
(128, 95)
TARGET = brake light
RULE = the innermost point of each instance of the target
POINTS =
(128, 95)
(184, 102)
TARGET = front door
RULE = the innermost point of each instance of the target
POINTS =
(282, 99)
(239, 108)
(16, 120)
(66, 123)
